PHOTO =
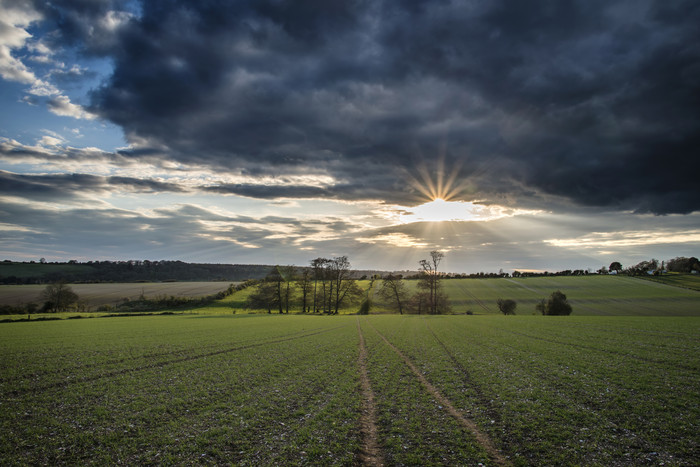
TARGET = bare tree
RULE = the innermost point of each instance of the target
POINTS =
(430, 281)
(342, 286)
(306, 287)
(319, 268)
(288, 274)
(394, 289)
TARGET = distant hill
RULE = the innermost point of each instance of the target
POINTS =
(127, 271)
(136, 271)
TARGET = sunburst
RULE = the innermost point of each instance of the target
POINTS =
(439, 183)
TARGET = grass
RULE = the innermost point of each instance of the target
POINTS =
(688, 281)
(591, 295)
(261, 390)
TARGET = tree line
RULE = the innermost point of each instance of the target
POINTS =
(679, 264)
(328, 284)
(324, 287)
(126, 271)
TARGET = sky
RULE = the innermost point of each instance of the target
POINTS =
(539, 135)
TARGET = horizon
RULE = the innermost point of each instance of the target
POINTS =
(411, 271)
(509, 136)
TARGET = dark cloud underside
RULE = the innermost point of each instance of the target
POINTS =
(593, 101)
(61, 186)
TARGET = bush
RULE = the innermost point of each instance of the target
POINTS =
(507, 306)
(364, 308)
(556, 305)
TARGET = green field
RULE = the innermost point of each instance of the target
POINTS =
(589, 295)
(688, 281)
(293, 390)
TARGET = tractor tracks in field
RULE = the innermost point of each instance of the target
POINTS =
(123, 371)
(82, 367)
(483, 400)
(370, 453)
(481, 438)
(475, 298)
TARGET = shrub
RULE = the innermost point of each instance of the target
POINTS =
(557, 304)
(364, 307)
(507, 306)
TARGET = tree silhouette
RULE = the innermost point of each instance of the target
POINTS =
(429, 281)
(507, 306)
(394, 289)
(58, 297)
(557, 304)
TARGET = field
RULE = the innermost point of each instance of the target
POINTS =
(349, 390)
(112, 294)
(688, 281)
(590, 295)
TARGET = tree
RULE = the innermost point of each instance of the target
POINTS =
(683, 264)
(288, 274)
(394, 289)
(275, 276)
(271, 292)
(615, 266)
(643, 267)
(557, 304)
(507, 306)
(365, 306)
(319, 272)
(341, 286)
(429, 281)
(306, 287)
(58, 297)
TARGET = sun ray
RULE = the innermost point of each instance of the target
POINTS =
(437, 181)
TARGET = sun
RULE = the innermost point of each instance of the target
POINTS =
(439, 210)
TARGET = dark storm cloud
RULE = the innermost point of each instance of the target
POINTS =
(47, 187)
(591, 101)
(88, 23)
(363, 190)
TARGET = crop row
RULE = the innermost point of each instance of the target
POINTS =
(295, 390)
(291, 401)
(89, 349)
(546, 402)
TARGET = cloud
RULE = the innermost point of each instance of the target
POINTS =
(184, 231)
(540, 106)
(61, 105)
(52, 186)
(593, 103)
(15, 19)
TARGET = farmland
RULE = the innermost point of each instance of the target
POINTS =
(112, 294)
(342, 390)
(590, 295)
